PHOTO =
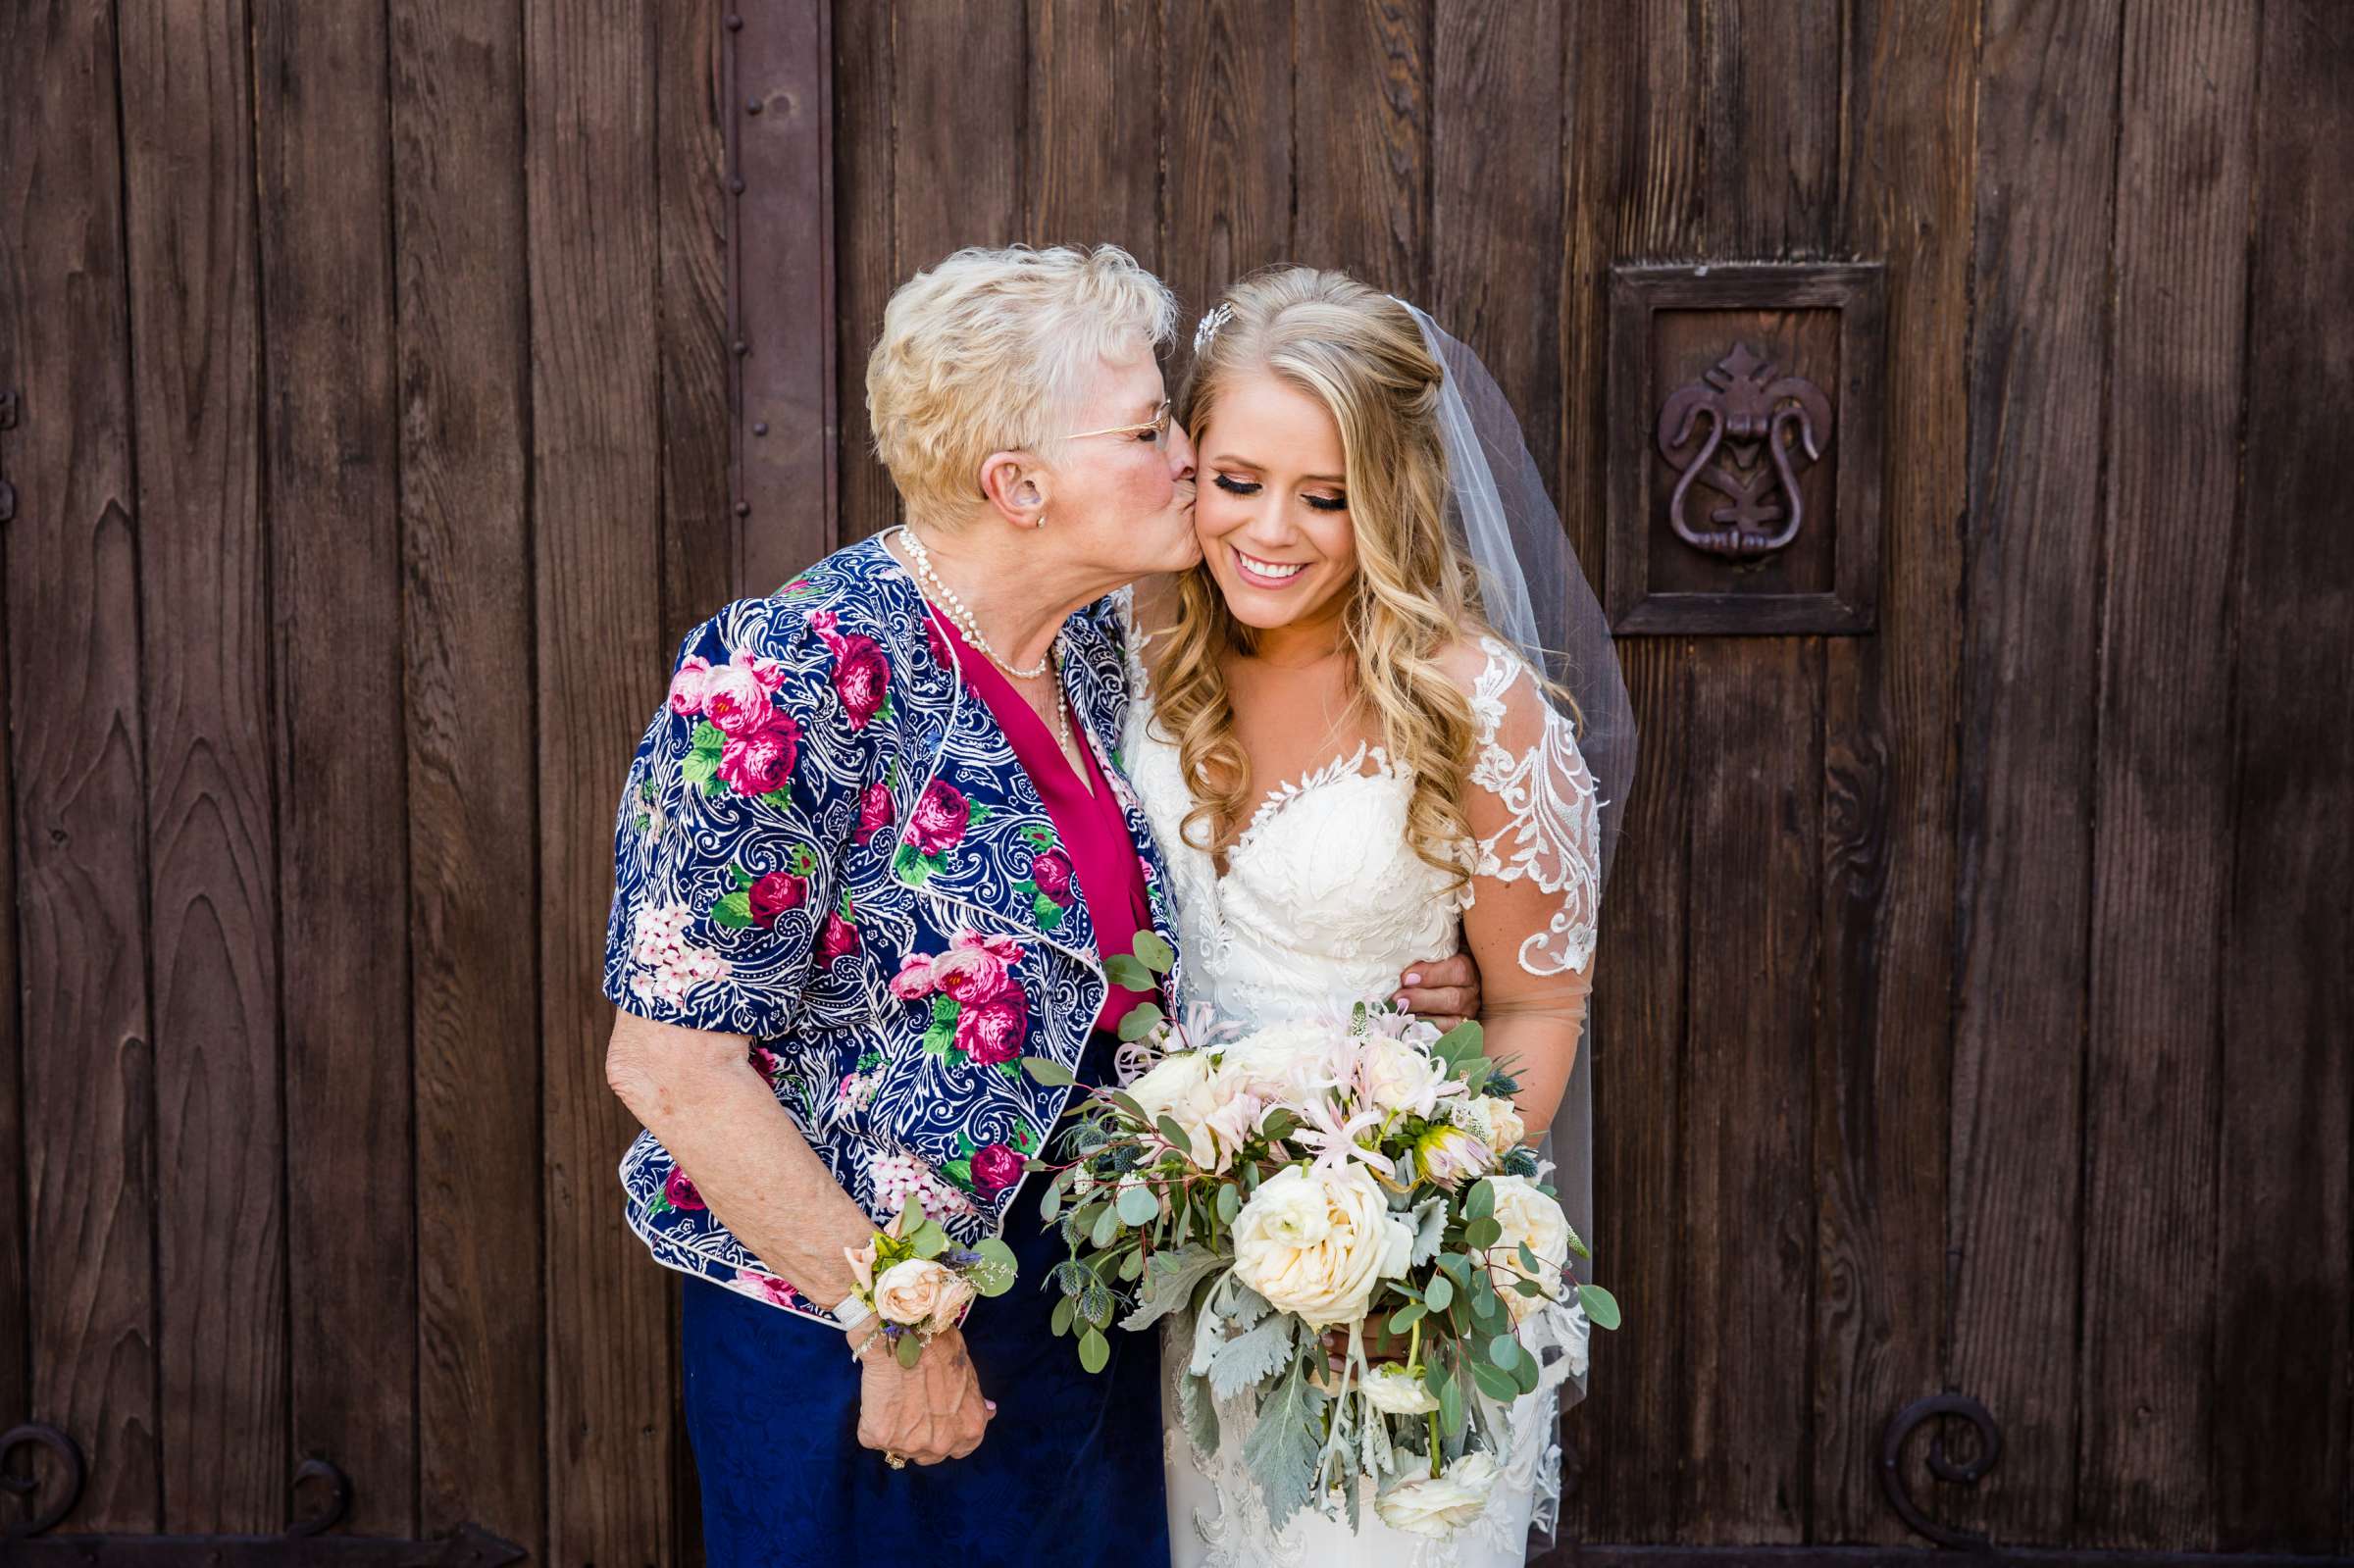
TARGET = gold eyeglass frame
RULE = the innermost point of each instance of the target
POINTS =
(1158, 423)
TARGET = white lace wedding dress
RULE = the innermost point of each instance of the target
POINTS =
(1324, 900)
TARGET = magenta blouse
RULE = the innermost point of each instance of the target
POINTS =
(1094, 835)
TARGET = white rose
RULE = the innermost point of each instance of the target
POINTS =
(911, 1291)
(1397, 1077)
(1529, 1216)
(1439, 1505)
(1509, 1129)
(1279, 1063)
(1394, 1392)
(1317, 1246)
(1186, 1088)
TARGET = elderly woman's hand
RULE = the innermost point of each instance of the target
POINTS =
(928, 1412)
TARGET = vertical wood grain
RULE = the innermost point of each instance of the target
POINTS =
(1883, 1073)
(2283, 1476)
(205, 643)
(960, 84)
(1227, 114)
(2160, 813)
(331, 434)
(596, 488)
(464, 347)
(1362, 127)
(2045, 188)
(865, 254)
(701, 555)
(1632, 186)
(1092, 161)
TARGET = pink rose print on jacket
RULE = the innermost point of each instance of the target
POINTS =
(874, 810)
(686, 686)
(678, 1192)
(758, 763)
(992, 1168)
(936, 641)
(764, 1287)
(1049, 886)
(775, 894)
(839, 939)
(979, 1009)
(861, 674)
(935, 825)
(735, 695)
(995, 1169)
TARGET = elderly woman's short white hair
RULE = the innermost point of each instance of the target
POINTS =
(991, 350)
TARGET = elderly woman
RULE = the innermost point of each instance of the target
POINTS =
(873, 849)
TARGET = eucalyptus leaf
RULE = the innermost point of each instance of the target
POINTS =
(1048, 1071)
(1064, 1311)
(1125, 971)
(1230, 1202)
(1176, 1134)
(1405, 1317)
(1140, 1019)
(1451, 1406)
(1600, 1306)
(1279, 1123)
(993, 1274)
(1527, 1374)
(1502, 1351)
(1480, 1201)
(1136, 1205)
(1155, 953)
(1528, 1262)
(1483, 1234)
(929, 1240)
(1494, 1382)
(1439, 1293)
(1107, 1226)
(1050, 1203)
(1127, 1102)
(1132, 1265)
(1094, 1351)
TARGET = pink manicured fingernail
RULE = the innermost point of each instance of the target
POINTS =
(1413, 979)
(993, 1405)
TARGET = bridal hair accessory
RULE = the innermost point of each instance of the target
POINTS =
(917, 1283)
(1209, 329)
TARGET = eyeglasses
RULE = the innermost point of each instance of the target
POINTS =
(1158, 424)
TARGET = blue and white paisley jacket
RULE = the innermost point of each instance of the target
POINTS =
(826, 844)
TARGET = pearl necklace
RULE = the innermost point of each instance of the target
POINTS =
(970, 628)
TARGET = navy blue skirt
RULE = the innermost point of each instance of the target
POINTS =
(1069, 1472)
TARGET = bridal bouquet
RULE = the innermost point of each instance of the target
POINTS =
(1347, 1214)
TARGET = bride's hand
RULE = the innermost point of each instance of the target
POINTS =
(928, 1412)
(1444, 991)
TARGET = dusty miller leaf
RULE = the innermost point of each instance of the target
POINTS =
(1430, 1229)
(1245, 1360)
(1200, 1415)
(1170, 1283)
(1282, 1448)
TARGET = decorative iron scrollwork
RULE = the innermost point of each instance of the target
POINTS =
(1892, 1450)
(1761, 430)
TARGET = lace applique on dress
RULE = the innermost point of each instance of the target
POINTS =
(1554, 834)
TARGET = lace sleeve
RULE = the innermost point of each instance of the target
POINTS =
(1536, 825)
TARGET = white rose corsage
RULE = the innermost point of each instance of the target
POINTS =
(914, 1282)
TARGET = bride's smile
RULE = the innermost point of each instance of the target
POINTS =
(1273, 519)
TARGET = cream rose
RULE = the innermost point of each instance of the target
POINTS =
(1281, 1063)
(1394, 1392)
(1439, 1505)
(1529, 1216)
(1504, 1122)
(921, 1294)
(1397, 1077)
(1317, 1246)
(1189, 1089)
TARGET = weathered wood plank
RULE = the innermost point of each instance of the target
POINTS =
(701, 555)
(331, 434)
(212, 885)
(2047, 136)
(1361, 122)
(1756, 778)
(786, 318)
(458, 216)
(76, 747)
(1631, 178)
(594, 238)
(2280, 1362)
(1773, 107)
(866, 267)
(1227, 129)
(957, 79)
(1092, 154)
(1883, 1074)
(2161, 808)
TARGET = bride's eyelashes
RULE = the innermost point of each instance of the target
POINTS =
(1247, 487)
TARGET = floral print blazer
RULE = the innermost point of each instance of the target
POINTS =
(826, 844)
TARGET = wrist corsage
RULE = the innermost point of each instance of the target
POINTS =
(913, 1281)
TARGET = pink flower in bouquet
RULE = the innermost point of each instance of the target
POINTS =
(995, 1168)
(913, 981)
(775, 894)
(686, 686)
(679, 1191)
(992, 1032)
(1450, 1156)
(874, 811)
(938, 822)
(759, 762)
(840, 938)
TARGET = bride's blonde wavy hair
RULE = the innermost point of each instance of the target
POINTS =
(1360, 355)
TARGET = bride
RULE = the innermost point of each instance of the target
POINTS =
(1342, 736)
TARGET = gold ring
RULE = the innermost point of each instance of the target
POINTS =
(896, 1461)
